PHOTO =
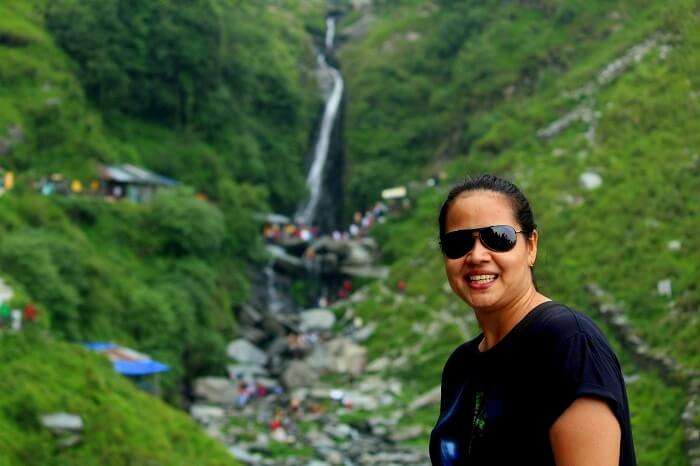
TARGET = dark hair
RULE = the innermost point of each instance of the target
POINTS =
(519, 203)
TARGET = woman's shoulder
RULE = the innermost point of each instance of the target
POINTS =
(558, 322)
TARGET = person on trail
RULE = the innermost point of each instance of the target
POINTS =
(539, 385)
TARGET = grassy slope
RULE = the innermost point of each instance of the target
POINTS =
(119, 271)
(123, 425)
(646, 151)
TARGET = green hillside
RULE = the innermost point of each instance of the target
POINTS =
(122, 425)
(469, 87)
(219, 95)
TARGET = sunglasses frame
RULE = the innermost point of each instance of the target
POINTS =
(478, 230)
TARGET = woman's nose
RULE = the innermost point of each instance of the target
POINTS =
(479, 253)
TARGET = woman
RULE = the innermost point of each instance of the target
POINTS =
(540, 385)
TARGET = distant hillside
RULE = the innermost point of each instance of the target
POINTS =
(551, 96)
(217, 94)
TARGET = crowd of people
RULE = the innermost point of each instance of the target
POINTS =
(276, 231)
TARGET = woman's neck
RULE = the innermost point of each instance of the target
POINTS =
(497, 324)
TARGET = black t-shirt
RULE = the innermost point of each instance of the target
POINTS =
(497, 406)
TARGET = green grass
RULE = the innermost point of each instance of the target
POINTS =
(122, 425)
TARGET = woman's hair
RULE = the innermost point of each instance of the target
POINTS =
(522, 212)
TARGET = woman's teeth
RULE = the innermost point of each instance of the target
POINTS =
(482, 278)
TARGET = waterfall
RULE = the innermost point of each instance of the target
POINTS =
(314, 180)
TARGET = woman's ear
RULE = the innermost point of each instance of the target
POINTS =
(532, 248)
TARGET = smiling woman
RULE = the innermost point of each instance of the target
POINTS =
(540, 384)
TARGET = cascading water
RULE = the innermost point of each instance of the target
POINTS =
(314, 180)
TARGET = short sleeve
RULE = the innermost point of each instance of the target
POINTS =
(586, 366)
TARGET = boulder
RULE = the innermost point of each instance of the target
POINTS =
(317, 319)
(206, 414)
(284, 260)
(365, 271)
(591, 180)
(245, 352)
(218, 390)
(62, 422)
(427, 399)
(299, 374)
(245, 371)
(339, 355)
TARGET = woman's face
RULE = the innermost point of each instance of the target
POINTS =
(510, 270)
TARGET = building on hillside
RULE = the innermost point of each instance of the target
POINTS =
(133, 364)
(131, 182)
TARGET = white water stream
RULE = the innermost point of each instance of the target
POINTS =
(314, 180)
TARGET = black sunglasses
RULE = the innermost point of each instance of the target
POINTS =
(497, 238)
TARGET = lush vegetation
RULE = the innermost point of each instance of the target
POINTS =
(122, 425)
(463, 88)
(218, 94)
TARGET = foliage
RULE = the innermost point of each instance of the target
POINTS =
(123, 425)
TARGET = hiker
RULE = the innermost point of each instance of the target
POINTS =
(540, 385)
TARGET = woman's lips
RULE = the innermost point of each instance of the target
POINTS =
(481, 281)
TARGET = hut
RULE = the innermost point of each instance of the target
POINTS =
(132, 182)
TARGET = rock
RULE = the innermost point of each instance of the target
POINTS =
(245, 371)
(218, 390)
(367, 271)
(245, 352)
(68, 441)
(250, 315)
(358, 254)
(62, 422)
(427, 399)
(359, 401)
(664, 287)
(378, 365)
(299, 374)
(6, 292)
(674, 245)
(591, 180)
(341, 431)
(252, 334)
(284, 260)
(407, 433)
(317, 319)
(346, 357)
(206, 414)
(363, 333)
(244, 455)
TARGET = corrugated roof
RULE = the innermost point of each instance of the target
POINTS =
(128, 173)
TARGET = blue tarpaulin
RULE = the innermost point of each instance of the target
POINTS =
(136, 368)
(127, 361)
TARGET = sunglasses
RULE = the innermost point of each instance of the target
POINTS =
(497, 238)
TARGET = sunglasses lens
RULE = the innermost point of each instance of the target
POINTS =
(499, 238)
(457, 243)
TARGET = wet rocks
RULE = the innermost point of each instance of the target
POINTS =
(218, 390)
(316, 319)
(245, 352)
(299, 374)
